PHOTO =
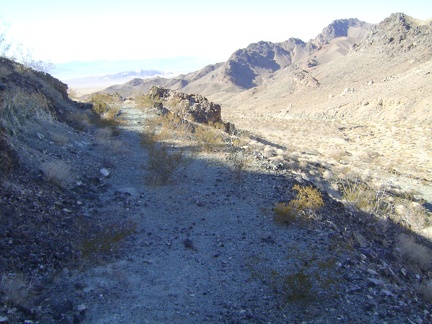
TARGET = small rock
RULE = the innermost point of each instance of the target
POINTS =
(387, 293)
(267, 238)
(4, 319)
(354, 289)
(372, 272)
(61, 308)
(104, 172)
(81, 307)
(189, 244)
(375, 282)
(199, 203)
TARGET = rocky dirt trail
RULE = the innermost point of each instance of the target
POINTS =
(206, 249)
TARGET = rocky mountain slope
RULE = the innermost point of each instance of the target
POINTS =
(389, 69)
(251, 66)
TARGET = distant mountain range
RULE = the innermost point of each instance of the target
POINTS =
(351, 69)
(80, 69)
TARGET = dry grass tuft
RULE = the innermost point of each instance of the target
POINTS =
(80, 120)
(59, 138)
(425, 290)
(57, 172)
(208, 138)
(17, 288)
(164, 163)
(413, 252)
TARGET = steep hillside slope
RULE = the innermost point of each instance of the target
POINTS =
(366, 113)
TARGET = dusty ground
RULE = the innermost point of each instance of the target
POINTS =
(206, 249)
(384, 153)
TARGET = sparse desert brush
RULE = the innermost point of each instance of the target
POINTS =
(208, 138)
(179, 126)
(365, 198)
(239, 160)
(72, 93)
(146, 101)
(412, 252)
(148, 139)
(307, 202)
(308, 276)
(57, 172)
(59, 138)
(102, 241)
(425, 290)
(164, 163)
(169, 126)
(106, 107)
(103, 135)
(8, 156)
(284, 213)
(412, 214)
(17, 289)
(80, 120)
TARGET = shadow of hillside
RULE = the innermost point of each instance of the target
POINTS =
(208, 195)
(220, 217)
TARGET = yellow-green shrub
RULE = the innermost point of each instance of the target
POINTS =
(306, 203)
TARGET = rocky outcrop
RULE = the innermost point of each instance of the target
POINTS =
(248, 67)
(400, 33)
(16, 78)
(195, 107)
(340, 28)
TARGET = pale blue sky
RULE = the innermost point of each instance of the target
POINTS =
(60, 31)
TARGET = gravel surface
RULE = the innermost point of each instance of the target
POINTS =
(205, 248)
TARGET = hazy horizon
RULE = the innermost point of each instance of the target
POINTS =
(66, 31)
